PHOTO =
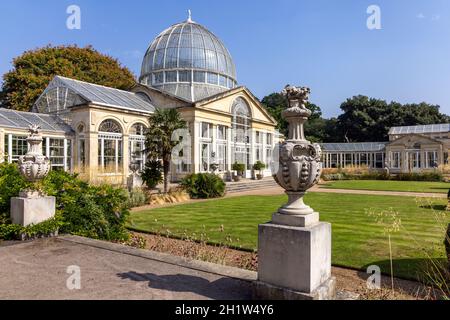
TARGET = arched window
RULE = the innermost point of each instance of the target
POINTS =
(110, 126)
(137, 145)
(241, 121)
(241, 132)
(110, 148)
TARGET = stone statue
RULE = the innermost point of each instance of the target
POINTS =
(34, 166)
(300, 161)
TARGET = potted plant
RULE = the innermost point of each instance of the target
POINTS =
(239, 168)
(259, 166)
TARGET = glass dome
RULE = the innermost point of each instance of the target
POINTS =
(188, 61)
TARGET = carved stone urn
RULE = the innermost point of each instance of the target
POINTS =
(299, 166)
(33, 165)
(32, 206)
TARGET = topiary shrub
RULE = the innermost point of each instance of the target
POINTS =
(239, 167)
(152, 175)
(203, 186)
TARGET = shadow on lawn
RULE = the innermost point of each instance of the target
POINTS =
(437, 207)
(221, 289)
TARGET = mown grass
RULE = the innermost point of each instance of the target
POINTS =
(389, 185)
(358, 240)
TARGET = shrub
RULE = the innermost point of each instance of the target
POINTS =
(136, 198)
(447, 245)
(44, 229)
(259, 165)
(425, 176)
(11, 182)
(203, 186)
(239, 167)
(98, 212)
(152, 174)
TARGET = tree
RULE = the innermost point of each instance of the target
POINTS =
(369, 119)
(33, 71)
(159, 143)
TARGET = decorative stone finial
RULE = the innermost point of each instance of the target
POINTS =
(34, 166)
(296, 113)
(299, 162)
(189, 16)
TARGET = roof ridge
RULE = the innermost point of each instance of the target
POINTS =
(94, 84)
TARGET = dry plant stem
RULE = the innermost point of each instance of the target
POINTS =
(392, 265)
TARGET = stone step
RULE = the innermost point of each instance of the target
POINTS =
(234, 187)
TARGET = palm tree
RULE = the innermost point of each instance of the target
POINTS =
(159, 144)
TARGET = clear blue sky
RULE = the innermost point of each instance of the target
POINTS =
(324, 44)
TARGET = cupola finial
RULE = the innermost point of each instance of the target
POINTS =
(189, 16)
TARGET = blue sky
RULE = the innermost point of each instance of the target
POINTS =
(324, 44)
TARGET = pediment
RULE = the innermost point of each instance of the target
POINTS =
(414, 141)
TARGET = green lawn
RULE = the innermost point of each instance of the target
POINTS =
(358, 241)
(388, 185)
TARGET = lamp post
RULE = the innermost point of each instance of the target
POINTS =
(294, 250)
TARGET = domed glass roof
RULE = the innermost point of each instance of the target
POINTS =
(188, 61)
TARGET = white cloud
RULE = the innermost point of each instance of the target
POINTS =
(436, 17)
(421, 16)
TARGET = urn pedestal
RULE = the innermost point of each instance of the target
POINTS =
(294, 249)
(32, 208)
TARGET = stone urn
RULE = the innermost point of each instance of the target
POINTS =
(299, 166)
(33, 165)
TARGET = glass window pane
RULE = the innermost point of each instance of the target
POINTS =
(184, 76)
(185, 60)
(212, 78)
(171, 76)
(199, 76)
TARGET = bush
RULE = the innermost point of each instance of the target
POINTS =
(204, 186)
(11, 182)
(239, 167)
(98, 212)
(259, 165)
(152, 175)
(44, 229)
(136, 198)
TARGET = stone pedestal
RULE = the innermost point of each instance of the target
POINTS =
(32, 208)
(134, 181)
(294, 262)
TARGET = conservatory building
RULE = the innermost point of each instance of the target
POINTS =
(99, 131)
(409, 149)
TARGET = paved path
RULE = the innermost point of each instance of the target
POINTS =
(38, 270)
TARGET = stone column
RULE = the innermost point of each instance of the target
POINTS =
(294, 249)
(126, 157)
(92, 156)
(2, 146)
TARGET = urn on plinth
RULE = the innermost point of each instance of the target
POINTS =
(294, 249)
(33, 207)
(299, 165)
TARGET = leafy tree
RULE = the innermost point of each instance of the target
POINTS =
(369, 119)
(159, 143)
(34, 69)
